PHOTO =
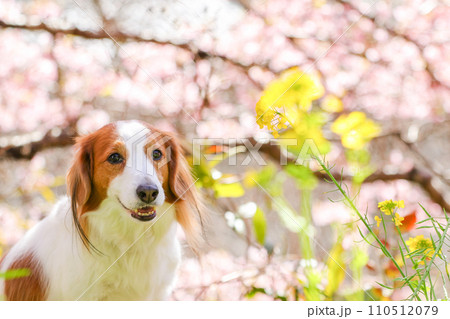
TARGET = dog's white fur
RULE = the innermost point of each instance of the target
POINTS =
(139, 259)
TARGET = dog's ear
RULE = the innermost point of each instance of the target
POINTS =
(183, 192)
(79, 183)
(180, 178)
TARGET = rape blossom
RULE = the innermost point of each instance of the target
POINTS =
(421, 243)
(355, 129)
(378, 220)
(286, 98)
(388, 206)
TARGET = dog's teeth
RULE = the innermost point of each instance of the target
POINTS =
(143, 214)
(147, 211)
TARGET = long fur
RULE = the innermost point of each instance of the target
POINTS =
(187, 198)
(138, 260)
(79, 185)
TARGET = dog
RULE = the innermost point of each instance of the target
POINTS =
(113, 237)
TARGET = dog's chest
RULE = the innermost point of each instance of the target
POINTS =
(142, 273)
(139, 261)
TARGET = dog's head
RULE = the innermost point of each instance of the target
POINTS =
(137, 166)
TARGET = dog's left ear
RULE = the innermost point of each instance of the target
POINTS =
(183, 192)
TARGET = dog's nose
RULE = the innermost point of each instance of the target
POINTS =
(147, 193)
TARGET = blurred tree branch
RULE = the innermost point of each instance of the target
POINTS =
(118, 36)
(415, 175)
(97, 35)
(58, 137)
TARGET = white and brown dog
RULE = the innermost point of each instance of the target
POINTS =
(114, 236)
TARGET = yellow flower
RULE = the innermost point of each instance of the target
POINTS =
(398, 219)
(355, 129)
(421, 243)
(269, 118)
(306, 129)
(284, 98)
(293, 88)
(388, 206)
(332, 104)
(378, 220)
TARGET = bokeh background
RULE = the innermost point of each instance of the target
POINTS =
(198, 68)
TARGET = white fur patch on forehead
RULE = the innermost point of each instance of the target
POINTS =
(136, 136)
(131, 130)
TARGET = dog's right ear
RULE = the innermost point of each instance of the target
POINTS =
(79, 183)
(184, 194)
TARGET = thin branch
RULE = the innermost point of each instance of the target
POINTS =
(92, 35)
(122, 37)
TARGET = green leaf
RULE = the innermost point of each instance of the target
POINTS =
(264, 177)
(15, 273)
(362, 173)
(384, 286)
(358, 156)
(259, 226)
(304, 176)
(228, 190)
(203, 173)
(254, 291)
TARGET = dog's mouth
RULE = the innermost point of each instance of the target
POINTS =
(143, 214)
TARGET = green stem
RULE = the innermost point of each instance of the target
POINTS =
(415, 265)
(305, 236)
(436, 252)
(352, 206)
(432, 292)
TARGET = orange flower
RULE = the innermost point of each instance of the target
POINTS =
(409, 222)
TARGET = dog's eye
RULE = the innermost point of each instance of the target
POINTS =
(157, 154)
(115, 158)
